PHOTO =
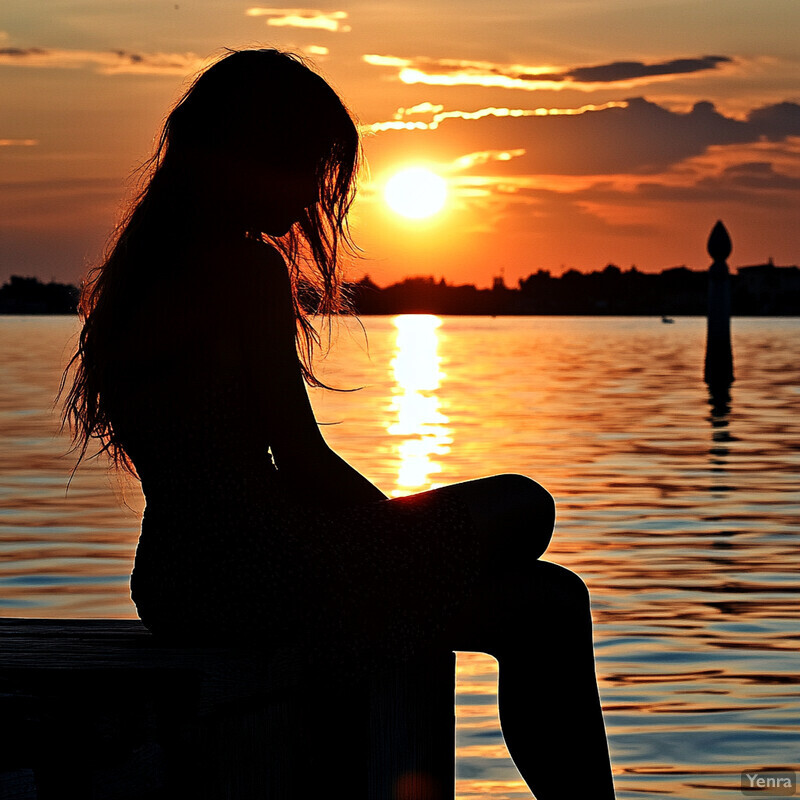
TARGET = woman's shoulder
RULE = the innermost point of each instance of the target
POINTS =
(251, 269)
(254, 288)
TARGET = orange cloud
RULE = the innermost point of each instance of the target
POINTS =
(386, 61)
(18, 142)
(439, 115)
(420, 108)
(106, 62)
(471, 77)
(303, 18)
(635, 137)
(462, 72)
(484, 157)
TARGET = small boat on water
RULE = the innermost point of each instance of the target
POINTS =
(667, 320)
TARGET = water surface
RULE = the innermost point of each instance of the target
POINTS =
(681, 517)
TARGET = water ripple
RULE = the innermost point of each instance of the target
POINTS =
(682, 520)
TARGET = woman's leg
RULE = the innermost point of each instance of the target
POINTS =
(513, 514)
(395, 559)
(535, 618)
(540, 631)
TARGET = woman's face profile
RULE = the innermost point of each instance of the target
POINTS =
(269, 198)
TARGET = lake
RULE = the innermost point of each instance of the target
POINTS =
(682, 517)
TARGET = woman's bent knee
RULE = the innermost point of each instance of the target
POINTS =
(529, 532)
(517, 499)
(514, 516)
(531, 497)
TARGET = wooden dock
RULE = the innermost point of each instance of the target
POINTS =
(97, 709)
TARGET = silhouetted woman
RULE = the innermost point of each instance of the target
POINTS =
(191, 372)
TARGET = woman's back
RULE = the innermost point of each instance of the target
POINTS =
(181, 405)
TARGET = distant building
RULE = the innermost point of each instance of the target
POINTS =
(767, 289)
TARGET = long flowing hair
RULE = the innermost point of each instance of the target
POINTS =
(259, 105)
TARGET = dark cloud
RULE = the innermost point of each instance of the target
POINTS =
(21, 52)
(755, 184)
(632, 70)
(106, 62)
(564, 210)
(452, 72)
(641, 138)
(777, 121)
(760, 175)
(750, 184)
(134, 58)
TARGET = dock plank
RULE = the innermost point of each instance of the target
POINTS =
(99, 708)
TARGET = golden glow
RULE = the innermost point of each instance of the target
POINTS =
(419, 108)
(418, 419)
(416, 192)
(467, 78)
(485, 156)
(385, 61)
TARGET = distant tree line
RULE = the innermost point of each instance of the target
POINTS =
(760, 290)
(30, 296)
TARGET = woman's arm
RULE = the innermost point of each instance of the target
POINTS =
(328, 480)
(313, 472)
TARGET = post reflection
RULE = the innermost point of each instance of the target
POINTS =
(416, 416)
(720, 401)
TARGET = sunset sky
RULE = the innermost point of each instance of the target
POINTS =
(569, 133)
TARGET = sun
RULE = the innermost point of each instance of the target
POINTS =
(416, 192)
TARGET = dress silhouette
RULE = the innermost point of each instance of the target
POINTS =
(228, 553)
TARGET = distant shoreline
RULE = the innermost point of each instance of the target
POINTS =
(762, 290)
(480, 316)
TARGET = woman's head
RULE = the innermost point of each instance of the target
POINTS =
(261, 139)
(259, 146)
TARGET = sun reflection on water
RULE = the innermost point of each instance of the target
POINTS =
(416, 416)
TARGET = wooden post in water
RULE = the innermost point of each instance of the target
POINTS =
(719, 357)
